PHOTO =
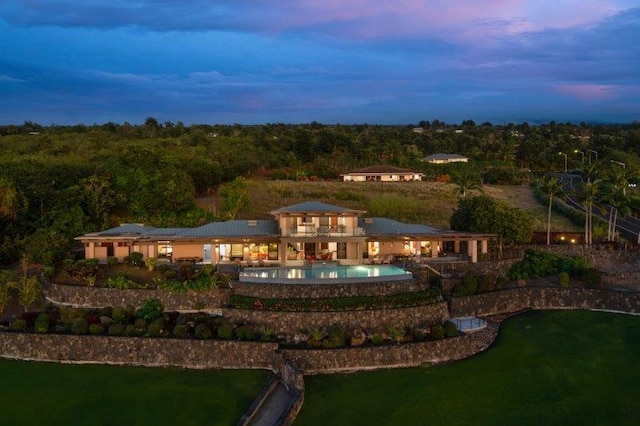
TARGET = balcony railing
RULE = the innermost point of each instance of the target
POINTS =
(324, 231)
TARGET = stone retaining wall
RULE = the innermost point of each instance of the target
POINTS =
(314, 361)
(173, 301)
(137, 351)
(296, 322)
(282, 291)
(517, 299)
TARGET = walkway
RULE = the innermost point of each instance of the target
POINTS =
(272, 408)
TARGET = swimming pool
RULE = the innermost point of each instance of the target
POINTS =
(325, 274)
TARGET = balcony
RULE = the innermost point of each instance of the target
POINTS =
(324, 231)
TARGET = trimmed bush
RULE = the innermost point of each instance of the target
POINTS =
(591, 277)
(377, 339)
(130, 330)
(156, 328)
(116, 329)
(225, 331)
(203, 331)
(79, 326)
(19, 325)
(118, 315)
(468, 287)
(96, 329)
(437, 332)
(42, 323)
(112, 261)
(563, 279)
(244, 332)
(450, 329)
(181, 330)
(150, 309)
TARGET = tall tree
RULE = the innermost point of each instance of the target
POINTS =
(466, 181)
(550, 187)
(234, 196)
(590, 195)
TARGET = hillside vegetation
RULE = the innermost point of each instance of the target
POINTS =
(430, 203)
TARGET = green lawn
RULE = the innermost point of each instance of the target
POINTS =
(33, 393)
(553, 367)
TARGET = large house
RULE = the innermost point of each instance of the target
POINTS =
(445, 158)
(309, 231)
(382, 173)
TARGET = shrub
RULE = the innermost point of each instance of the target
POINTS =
(591, 277)
(536, 264)
(181, 330)
(130, 330)
(468, 287)
(245, 332)
(150, 309)
(266, 333)
(116, 329)
(135, 259)
(377, 339)
(112, 261)
(79, 326)
(49, 271)
(563, 279)
(140, 323)
(96, 329)
(396, 333)
(19, 325)
(203, 331)
(450, 329)
(156, 328)
(117, 313)
(42, 323)
(486, 283)
(437, 332)
(225, 331)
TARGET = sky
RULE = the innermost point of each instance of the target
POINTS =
(330, 61)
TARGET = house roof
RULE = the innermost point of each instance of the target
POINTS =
(234, 228)
(315, 207)
(441, 156)
(382, 226)
(383, 169)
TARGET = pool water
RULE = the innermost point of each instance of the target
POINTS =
(325, 274)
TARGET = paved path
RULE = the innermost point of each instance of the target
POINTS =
(272, 408)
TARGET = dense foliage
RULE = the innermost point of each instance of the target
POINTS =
(354, 303)
(536, 264)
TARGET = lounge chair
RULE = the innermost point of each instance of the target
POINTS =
(388, 259)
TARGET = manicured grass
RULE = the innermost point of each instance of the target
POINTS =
(33, 393)
(553, 367)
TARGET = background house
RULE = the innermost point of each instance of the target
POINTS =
(382, 173)
(445, 158)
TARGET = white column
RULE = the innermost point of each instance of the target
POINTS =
(473, 250)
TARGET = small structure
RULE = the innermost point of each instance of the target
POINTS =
(382, 173)
(445, 158)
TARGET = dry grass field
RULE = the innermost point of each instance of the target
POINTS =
(414, 202)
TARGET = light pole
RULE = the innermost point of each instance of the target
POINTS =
(575, 151)
(619, 163)
(565, 160)
(595, 152)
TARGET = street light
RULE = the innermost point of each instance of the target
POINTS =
(595, 152)
(565, 160)
(624, 166)
(575, 151)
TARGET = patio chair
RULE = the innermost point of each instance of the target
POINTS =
(388, 259)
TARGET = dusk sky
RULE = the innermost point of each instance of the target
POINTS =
(297, 61)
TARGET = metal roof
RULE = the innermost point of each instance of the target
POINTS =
(233, 228)
(126, 229)
(381, 226)
(315, 207)
(382, 169)
(440, 156)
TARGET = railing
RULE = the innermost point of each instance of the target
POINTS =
(324, 231)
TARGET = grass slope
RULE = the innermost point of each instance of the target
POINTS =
(415, 202)
(60, 394)
(551, 368)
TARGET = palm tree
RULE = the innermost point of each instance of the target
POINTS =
(616, 197)
(466, 181)
(549, 186)
(590, 195)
